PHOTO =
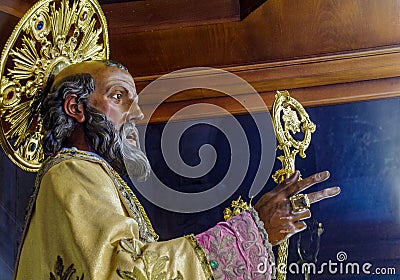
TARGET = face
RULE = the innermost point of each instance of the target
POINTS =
(109, 119)
(115, 93)
(115, 96)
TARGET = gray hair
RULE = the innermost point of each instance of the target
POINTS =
(101, 133)
(56, 122)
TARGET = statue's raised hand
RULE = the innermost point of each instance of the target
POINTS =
(276, 211)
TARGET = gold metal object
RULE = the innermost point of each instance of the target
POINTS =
(238, 206)
(289, 118)
(52, 35)
(300, 202)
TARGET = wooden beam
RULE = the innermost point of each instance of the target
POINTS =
(247, 7)
(279, 30)
(136, 16)
(324, 80)
(150, 15)
(309, 97)
(292, 74)
(16, 8)
(7, 23)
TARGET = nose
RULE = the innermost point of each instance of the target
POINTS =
(135, 113)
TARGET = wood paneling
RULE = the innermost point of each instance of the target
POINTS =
(291, 74)
(279, 30)
(325, 80)
(247, 7)
(15, 8)
(128, 16)
(313, 96)
(141, 16)
(7, 23)
(317, 46)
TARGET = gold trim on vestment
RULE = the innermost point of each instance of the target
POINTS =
(201, 255)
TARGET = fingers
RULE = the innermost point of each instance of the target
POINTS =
(292, 230)
(323, 194)
(289, 181)
(300, 226)
(299, 216)
(275, 206)
(304, 184)
(288, 226)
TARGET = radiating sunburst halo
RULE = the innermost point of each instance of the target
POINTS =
(52, 35)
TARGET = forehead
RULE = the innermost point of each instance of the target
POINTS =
(101, 73)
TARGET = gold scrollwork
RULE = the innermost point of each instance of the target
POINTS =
(10, 93)
(238, 206)
(289, 118)
(40, 25)
(154, 267)
(287, 110)
(32, 151)
(52, 35)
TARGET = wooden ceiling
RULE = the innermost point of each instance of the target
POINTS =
(319, 49)
(128, 17)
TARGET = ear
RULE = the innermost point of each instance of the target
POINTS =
(73, 108)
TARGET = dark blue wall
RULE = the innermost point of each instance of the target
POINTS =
(16, 186)
(357, 143)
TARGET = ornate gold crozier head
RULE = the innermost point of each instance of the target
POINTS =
(52, 35)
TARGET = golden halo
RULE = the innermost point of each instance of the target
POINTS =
(52, 35)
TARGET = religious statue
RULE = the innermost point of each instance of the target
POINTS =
(73, 112)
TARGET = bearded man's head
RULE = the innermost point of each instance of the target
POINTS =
(110, 142)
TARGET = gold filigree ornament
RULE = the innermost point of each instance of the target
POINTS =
(238, 206)
(289, 119)
(52, 35)
(287, 110)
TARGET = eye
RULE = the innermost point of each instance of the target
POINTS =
(117, 96)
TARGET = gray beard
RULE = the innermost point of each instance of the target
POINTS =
(114, 146)
(136, 162)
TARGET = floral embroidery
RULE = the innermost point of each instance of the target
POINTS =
(249, 243)
(222, 251)
(236, 250)
(131, 247)
(154, 266)
(130, 201)
(60, 274)
(264, 236)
